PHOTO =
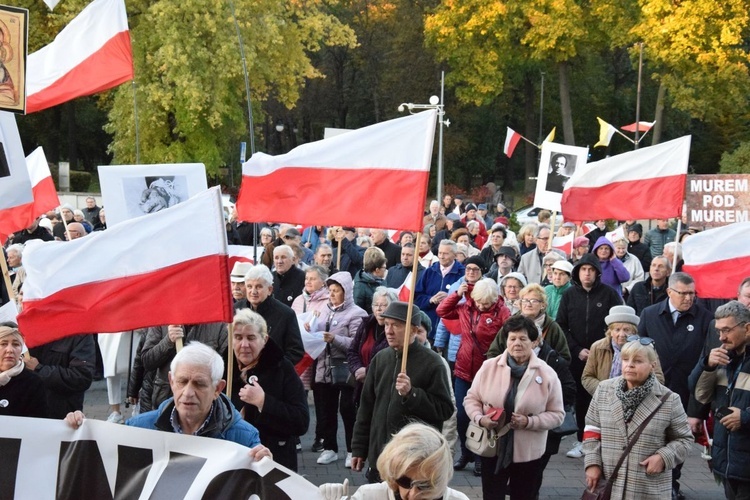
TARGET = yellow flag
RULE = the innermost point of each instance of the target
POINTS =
(606, 131)
(551, 136)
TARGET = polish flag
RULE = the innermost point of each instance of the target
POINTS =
(647, 183)
(89, 55)
(564, 243)
(404, 291)
(718, 260)
(642, 126)
(337, 181)
(168, 267)
(15, 185)
(617, 234)
(45, 197)
(511, 141)
(239, 253)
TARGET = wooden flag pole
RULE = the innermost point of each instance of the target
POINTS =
(410, 308)
(551, 231)
(230, 359)
(6, 277)
(338, 255)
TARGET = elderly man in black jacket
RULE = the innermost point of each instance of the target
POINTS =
(654, 288)
(281, 319)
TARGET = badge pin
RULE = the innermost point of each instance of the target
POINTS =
(290, 298)
(690, 328)
(538, 379)
(4, 403)
(489, 320)
(334, 323)
(599, 304)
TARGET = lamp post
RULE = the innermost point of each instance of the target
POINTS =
(435, 103)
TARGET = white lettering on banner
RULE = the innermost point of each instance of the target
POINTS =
(722, 216)
(717, 199)
(47, 459)
(718, 185)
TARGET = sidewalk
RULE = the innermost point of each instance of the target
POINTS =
(563, 478)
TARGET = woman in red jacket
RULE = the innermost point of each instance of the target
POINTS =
(481, 312)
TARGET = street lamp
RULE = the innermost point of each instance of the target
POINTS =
(434, 104)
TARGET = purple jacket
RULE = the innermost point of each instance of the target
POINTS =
(613, 270)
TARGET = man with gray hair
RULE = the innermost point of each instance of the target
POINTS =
(435, 282)
(288, 279)
(720, 378)
(281, 319)
(434, 216)
(654, 288)
(199, 407)
(531, 261)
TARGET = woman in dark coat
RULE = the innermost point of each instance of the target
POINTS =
(21, 390)
(266, 389)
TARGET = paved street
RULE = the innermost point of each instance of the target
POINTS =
(563, 479)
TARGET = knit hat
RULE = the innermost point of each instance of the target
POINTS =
(637, 227)
(482, 206)
(581, 241)
(397, 310)
(453, 217)
(622, 314)
(470, 206)
(477, 261)
(425, 321)
(520, 277)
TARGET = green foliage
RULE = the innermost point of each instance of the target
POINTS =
(79, 181)
(736, 162)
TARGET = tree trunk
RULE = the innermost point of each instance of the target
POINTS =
(567, 112)
(659, 114)
(532, 153)
(72, 135)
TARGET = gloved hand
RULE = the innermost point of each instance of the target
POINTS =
(335, 491)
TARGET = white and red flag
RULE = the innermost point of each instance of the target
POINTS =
(89, 55)
(718, 259)
(564, 243)
(168, 267)
(647, 183)
(339, 181)
(511, 141)
(640, 126)
(239, 253)
(43, 190)
(404, 291)
(616, 235)
(15, 185)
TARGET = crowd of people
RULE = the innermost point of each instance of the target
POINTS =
(506, 333)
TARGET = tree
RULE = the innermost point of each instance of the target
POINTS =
(736, 162)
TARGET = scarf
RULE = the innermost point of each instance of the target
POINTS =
(10, 373)
(505, 451)
(630, 399)
(539, 321)
(616, 369)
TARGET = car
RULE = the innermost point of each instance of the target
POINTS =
(529, 213)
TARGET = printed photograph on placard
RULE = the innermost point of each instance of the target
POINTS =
(13, 46)
(130, 191)
(558, 163)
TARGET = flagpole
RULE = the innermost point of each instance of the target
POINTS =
(552, 230)
(626, 137)
(638, 96)
(410, 308)
(338, 254)
(6, 277)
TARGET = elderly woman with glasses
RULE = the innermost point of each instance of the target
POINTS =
(604, 356)
(619, 407)
(510, 286)
(481, 313)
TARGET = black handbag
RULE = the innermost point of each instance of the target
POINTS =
(569, 425)
(337, 368)
(603, 490)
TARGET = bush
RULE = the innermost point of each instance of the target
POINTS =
(79, 181)
(736, 162)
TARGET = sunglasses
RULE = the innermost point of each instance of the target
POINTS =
(641, 340)
(406, 483)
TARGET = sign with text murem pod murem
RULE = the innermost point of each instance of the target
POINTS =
(717, 200)
(14, 27)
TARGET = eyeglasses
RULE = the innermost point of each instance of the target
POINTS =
(683, 294)
(547, 265)
(473, 269)
(532, 302)
(540, 238)
(406, 483)
(512, 287)
(641, 340)
(725, 331)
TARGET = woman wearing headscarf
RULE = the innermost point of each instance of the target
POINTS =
(528, 393)
(20, 388)
(613, 270)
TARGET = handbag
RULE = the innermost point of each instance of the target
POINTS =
(568, 425)
(481, 441)
(603, 490)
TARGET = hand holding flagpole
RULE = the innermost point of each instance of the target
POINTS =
(410, 308)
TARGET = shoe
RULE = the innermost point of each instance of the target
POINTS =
(328, 457)
(478, 467)
(116, 418)
(348, 461)
(677, 495)
(461, 462)
(298, 444)
(317, 446)
(576, 451)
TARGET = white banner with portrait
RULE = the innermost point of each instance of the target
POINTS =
(129, 191)
(47, 459)
(557, 164)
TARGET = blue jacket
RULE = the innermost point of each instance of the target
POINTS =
(226, 422)
(432, 282)
(443, 336)
(710, 386)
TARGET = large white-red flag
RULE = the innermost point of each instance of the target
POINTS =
(43, 190)
(718, 260)
(647, 183)
(169, 267)
(374, 176)
(15, 185)
(89, 55)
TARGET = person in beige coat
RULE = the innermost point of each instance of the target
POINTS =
(620, 405)
(604, 356)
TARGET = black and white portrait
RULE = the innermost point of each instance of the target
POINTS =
(145, 195)
(558, 163)
(561, 167)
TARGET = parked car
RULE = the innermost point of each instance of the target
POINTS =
(529, 213)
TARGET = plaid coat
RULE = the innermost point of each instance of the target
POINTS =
(606, 436)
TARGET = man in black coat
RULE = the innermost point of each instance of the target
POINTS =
(390, 249)
(654, 288)
(397, 274)
(288, 279)
(581, 314)
(352, 255)
(33, 232)
(281, 319)
(636, 247)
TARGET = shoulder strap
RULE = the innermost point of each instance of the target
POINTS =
(637, 435)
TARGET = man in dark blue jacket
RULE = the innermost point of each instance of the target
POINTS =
(435, 281)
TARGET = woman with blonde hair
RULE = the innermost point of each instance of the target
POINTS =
(526, 238)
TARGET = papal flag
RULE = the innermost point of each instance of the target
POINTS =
(606, 131)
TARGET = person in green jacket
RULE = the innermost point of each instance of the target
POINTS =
(561, 272)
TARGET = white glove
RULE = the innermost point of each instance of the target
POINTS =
(335, 491)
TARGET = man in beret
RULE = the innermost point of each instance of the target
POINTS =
(392, 398)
